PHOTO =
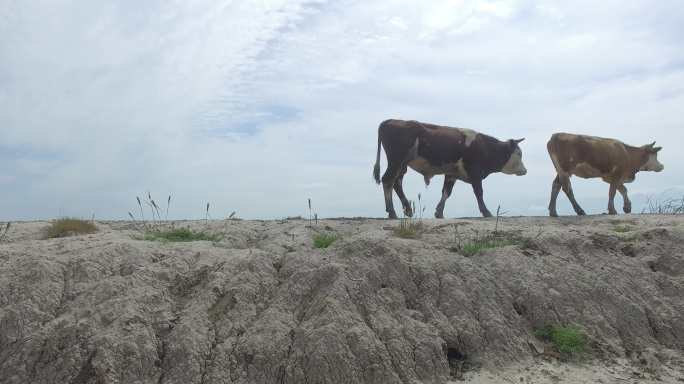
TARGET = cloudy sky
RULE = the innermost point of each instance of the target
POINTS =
(255, 106)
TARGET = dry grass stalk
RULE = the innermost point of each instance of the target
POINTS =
(4, 233)
(664, 206)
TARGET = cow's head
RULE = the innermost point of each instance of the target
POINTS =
(651, 163)
(514, 165)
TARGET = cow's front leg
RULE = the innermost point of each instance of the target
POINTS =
(477, 189)
(611, 199)
(627, 204)
(446, 192)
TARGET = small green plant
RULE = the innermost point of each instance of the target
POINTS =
(622, 228)
(323, 240)
(69, 226)
(570, 342)
(179, 235)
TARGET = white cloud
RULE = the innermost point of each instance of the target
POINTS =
(258, 105)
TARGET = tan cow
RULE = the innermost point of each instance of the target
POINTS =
(588, 156)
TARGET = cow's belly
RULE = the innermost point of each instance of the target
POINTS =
(586, 171)
(424, 167)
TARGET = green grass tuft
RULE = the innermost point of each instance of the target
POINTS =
(179, 235)
(622, 228)
(481, 244)
(481, 241)
(69, 226)
(323, 240)
(408, 228)
(570, 342)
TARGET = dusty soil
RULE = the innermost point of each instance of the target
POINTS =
(264, 306)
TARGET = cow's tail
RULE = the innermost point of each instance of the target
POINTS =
(376, 168)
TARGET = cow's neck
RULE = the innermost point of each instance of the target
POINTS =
(501, 155)
(637, 158)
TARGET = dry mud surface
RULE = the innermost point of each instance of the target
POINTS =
(264, 306)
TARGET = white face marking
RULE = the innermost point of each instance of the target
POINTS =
(514, 165)
(652, 164)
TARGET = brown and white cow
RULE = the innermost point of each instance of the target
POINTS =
(457, 153)
(588, 156)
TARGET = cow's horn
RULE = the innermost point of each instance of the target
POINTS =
(519, 140)
(652, 144)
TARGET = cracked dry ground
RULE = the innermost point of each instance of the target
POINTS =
(263, 306)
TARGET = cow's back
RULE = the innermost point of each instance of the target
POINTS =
(587, 156)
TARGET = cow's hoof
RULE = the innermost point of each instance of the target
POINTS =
(392, 215)
(439, 215)
(553, 214)
(612, 212)
(627, 209)
(580, 212)
(486, 214)
(408, 212)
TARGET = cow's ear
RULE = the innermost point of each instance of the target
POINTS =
(650, 145)
(519, 140)
(656, 149)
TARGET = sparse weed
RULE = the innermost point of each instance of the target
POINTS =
(478, 241)
(410, 227)
(161, 230)
(69, 226)
(179, 235)
(482, 240)
(323, 240)
(570, 342)
(313, 216)
(664, 205)
(156, 222)
(4, 232)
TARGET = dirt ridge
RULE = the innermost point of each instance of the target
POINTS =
(264, 306)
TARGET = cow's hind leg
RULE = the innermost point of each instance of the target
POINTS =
(567, 188)
(611, 199)
(555, 189)
(627, 204)
(399, 189)
(446, 192)
(388, 180)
